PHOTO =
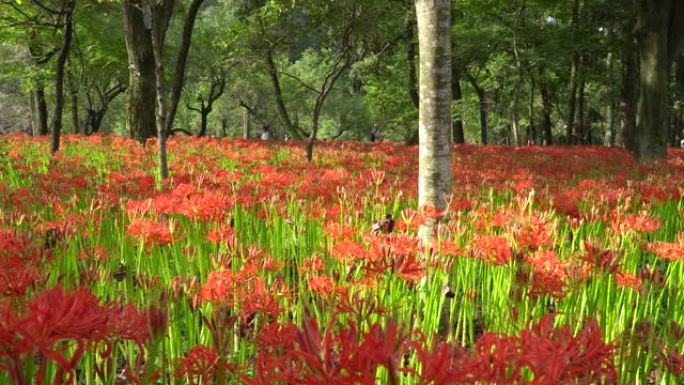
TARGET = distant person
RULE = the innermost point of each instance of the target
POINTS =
(374, 134)
(265, 133)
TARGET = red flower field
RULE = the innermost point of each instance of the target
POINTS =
(250, 265)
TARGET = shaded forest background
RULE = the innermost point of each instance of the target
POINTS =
(524, 71)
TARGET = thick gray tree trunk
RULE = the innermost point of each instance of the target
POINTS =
(659, 33)
(434, 122)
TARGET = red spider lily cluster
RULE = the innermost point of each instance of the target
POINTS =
(347, 355)
(244, 236)
(59, 326)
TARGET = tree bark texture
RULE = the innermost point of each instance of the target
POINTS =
(141, 78)
(652, 110)
(434, 121)
(59, 74)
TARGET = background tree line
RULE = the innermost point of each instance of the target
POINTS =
(523, 71)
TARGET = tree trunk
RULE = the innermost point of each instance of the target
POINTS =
(530, 111)
(520, 19)
(280, 101)
(181, 60)
(572, 104)
(59, 74)
(40, 123)
(141, 76)
(546, 112)
(412, 76)
(434, 122)
(224, 127)
(581, 113)
(628, 99)
(610, 110)
(245, 124)
(651, 128)
(160, 15)
(73, 93)
(204, 115)
(458, 133)
(570, 122)
(95, 120)
(412, 79)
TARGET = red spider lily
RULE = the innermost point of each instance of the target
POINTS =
(667, 250)
(220, 287)
(151, 232)
(360, 308)
(339, 232)
(312, 264)
(49, 321)
(203, 365)
(544, 283)
(128, 323)
(322, 285)
(629, 281)
(348, 250)
(605, 260)
(207, 206)
(642, 223)
(555, 356)
(339, 358)
(494, 361)
(277, 336)
(223, 235)
(533, 236)
(441, 365)
(16, 281)
(492, 248)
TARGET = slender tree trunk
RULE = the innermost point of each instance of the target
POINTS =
(204, 117)
(412, 79)
(412, 76)
(245, 124)
(40, 126)
(434, 175)
(95, 120)
(224, 127)
(280, 100)
(581, 113)
(572, 104)
(546, 113)
(610, 110)
(159, 23)
(141, 79)
(59, 74)
(628, 99)
(181, 60)
(520, 20)
(34, 112)
(651, 129)
(458, 132)
(73, 94)
(530, 111)
(570, 122)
